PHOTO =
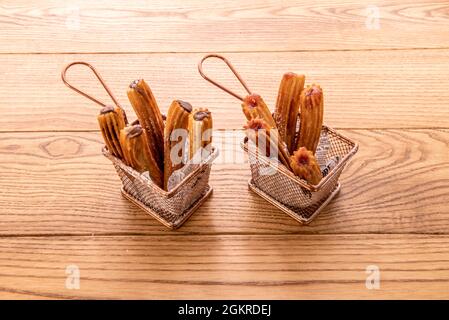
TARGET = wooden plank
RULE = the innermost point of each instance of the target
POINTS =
(226, 267)
(59, 183)
(195, 25)
(380, 89)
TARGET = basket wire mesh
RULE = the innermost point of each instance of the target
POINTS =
(174, 207)
(296, 197)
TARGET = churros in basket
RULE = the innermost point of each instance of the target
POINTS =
(305, 156)
(149, 152)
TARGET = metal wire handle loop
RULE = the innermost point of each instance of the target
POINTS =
(64, 79)
(200, 69)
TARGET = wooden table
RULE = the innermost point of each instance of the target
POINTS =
(386, 86)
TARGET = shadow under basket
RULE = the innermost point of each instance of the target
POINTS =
(279, 186)
(171, 208)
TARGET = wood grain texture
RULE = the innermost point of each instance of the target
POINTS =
(195, 25)
(385, 87)
(226, 267)
(59, 183)
(380, 89)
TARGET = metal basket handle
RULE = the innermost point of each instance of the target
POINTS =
(215, 83)
(64, 79)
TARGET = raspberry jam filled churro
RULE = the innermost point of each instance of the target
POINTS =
(287, 107)
(311, 118)
(305, 166)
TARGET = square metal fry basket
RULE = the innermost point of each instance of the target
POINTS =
(171, 208)
(296, 197)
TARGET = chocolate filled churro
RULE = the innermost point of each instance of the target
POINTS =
(150, 118)
(112, 120)
(175, 137)
(200, 134)
(137, 154)
(287, 107)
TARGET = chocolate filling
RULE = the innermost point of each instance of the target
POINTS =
(200, 115)
(187, 106)
(134, 85)
(134, 131)
(107, 109)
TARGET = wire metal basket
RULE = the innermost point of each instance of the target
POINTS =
(191, 183)
(296, 197)
(275, 183)
(171, 208)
